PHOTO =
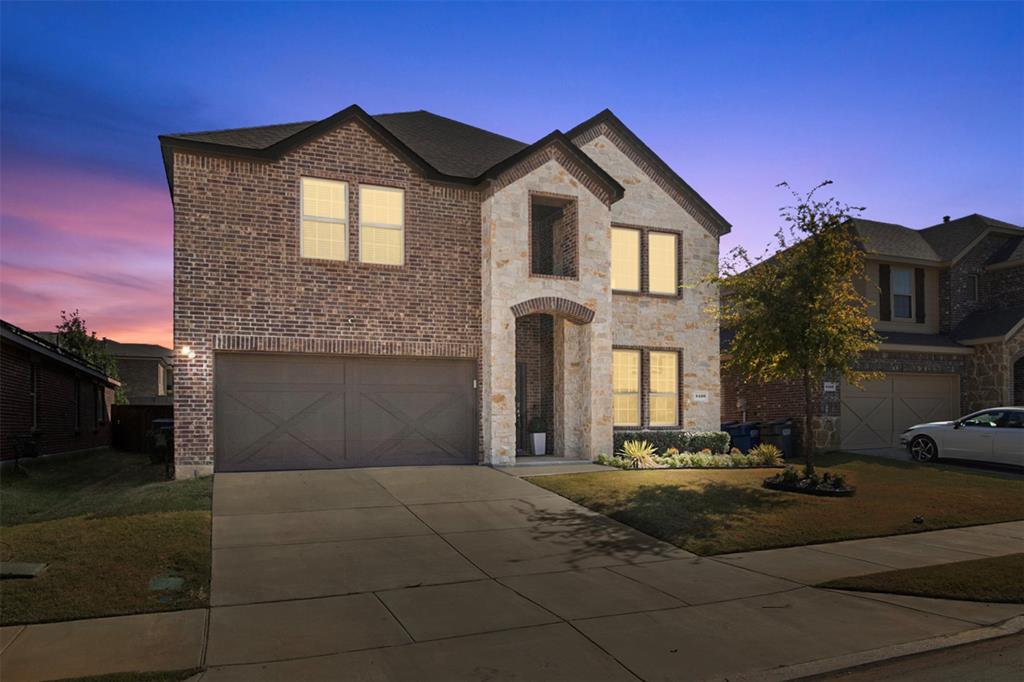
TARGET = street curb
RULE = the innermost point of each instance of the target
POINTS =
(801, 671)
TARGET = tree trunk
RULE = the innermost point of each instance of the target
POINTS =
(808, 426)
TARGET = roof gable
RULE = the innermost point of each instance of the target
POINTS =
(950, 239)
(889, 239)
(606, 123)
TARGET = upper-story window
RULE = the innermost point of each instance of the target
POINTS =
(625, 259)
(902, 293)
(645, 261)
(381, 225)
(662, 257)
(553, 235)
(972, 287)
(324, 219)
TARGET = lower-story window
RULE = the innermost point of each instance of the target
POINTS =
(664, 388)
(626, 387)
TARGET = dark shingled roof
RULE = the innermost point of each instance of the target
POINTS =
(121, 350)
(1012, 250)
(890, 239)
(259, 137)
(984, 324)
(451, 147)
(949, 239)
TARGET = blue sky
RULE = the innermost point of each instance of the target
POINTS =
(915, 110)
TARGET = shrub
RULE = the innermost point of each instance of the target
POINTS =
(671, 452)
(767, 454)
(682, 441)
(790, 475)
(639, 454)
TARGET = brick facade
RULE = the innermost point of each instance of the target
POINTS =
(238, 275)
(465, 291)
(56, 427)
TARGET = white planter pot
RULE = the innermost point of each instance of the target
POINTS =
(539, 443)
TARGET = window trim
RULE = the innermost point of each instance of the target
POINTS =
(323, 219)
(401, 228)
(651, 393)
(645, 376)
(975, 280)
(639, 256)
(639, 393)
(645, 264)
(893, 294)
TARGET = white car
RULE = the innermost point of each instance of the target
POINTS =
(992, 435)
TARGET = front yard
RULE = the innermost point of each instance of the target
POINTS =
(107, 524)
(994, 579)
(719, 511)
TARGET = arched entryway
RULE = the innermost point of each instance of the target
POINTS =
(546, 373)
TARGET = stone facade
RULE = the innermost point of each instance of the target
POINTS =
(994, 375)
(653, 322)
(466, 289)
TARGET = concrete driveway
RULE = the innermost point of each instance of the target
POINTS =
(467, 573)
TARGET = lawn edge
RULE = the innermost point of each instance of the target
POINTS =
(864, 659)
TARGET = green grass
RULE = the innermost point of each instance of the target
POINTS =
(106, 523)
(997, 579)
(718, 511)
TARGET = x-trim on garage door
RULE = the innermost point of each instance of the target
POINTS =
(875, 414)
(285, 411)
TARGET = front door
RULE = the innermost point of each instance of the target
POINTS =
(521, 416)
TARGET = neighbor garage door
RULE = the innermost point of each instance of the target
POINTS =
(876, 414)
(276, 411)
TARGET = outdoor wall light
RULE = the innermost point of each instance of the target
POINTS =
(188, 352)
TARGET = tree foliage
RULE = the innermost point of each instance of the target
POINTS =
(798, 315)
(74, 336)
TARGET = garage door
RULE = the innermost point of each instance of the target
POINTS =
(875, 415)
(276, 411)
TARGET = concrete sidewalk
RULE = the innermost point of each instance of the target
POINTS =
(465, 573)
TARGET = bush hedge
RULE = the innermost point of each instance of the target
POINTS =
(683, 441)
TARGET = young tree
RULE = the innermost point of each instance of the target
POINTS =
(798, 315)
(74, 336)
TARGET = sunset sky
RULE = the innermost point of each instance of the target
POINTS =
(914, 110)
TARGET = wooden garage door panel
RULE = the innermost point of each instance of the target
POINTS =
(312, 412)
(876, 416)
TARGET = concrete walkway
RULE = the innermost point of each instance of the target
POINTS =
(466, 573)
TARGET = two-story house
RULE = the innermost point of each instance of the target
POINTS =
(948, 302)
(407, 289)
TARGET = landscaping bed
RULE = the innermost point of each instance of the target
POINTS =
(117, 538)
(720, 511)
(995, 579)
(826, 485)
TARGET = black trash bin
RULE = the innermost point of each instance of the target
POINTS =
(742, 435)
(780, 434)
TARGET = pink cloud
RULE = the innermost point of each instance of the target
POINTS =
(77, 238)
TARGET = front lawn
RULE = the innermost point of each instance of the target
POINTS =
(720, 511)
(107, 524)
(996, 579)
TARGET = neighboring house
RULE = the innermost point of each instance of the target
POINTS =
(408, 289)
(55, 400)
(948, 301)
(144, 369)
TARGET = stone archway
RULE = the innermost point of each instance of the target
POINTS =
(556, 307)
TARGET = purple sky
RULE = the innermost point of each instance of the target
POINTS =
(914, 110)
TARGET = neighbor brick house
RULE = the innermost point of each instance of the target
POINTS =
(50, 400)
(948, 302)
(407, 289)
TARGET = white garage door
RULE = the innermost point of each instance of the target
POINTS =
(874, 415)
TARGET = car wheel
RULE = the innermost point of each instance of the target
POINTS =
(923, 449)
